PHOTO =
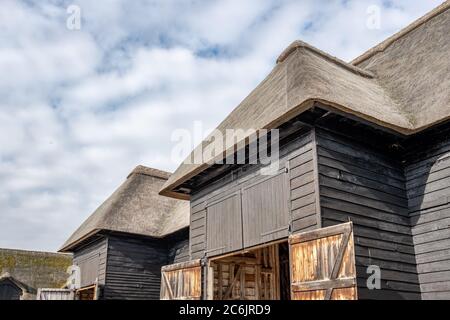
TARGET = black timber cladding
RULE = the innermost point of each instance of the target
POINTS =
(428, 188)
(236, 211)
(129, 266)
(91, 259)
(367, 186)
(134, 268)
(134, 264)
(178, 246)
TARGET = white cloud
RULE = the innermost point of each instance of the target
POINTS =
(79, 109)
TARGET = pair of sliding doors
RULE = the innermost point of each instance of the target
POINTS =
(255, 213)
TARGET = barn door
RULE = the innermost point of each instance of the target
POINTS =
(181, 281)
(323, 264)
(260, 202)
(224, 225)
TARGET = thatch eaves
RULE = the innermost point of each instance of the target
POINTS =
(135, 208)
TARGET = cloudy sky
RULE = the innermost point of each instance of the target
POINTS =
(79, 108)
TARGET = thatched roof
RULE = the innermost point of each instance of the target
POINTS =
(402, 84)
(136, 208)
(35, 269)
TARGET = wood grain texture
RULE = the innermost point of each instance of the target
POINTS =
(250, 276)
(182, 281)
(323, 264)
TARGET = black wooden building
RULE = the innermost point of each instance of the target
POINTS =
(363, 179)
(121, 247)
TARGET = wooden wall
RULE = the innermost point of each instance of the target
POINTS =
(428, 188)
(249, 199)
(134, 264)
(303, 188)
(134, 267)
(178, 246)
(91, 258)
(254, 275)
(365, 185)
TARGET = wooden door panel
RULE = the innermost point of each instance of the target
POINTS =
(323, 264)
(265, 210)
(224, 225)
(181, 281)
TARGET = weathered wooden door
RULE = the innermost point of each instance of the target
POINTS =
(224, 225)
(181, 281)
(265, 210)
(323, 264)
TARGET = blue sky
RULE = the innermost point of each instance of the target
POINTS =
(79, 109)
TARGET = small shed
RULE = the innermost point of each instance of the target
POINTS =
(13, 289)
(121, 247)
(31, 270)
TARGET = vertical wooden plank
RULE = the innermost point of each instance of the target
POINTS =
(276, 267)
(232, 275)
(210, 282)
(220, 282)
(242, 282)
(224, 230)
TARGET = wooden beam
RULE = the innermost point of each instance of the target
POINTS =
(320, 233)
(181, 265)
(338, 261)
(324, 284)
(210, 282)
(242, 283)
(233, 283)
(168, 287)
(220, 282)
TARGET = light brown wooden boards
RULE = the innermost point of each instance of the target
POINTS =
(323, 264)
(181, 281)
(253, 275)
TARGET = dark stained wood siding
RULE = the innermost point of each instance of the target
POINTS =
(364, 185)
(134, 267)
(91, 259)
(178, 246)
(428, 185)
(197, 234)
(129, 266)
(240, 186)
(305, 211)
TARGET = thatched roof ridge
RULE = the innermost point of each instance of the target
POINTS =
(301, 44)
(401, 85)
(381, 47)
(150, 172)
(135, 208)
